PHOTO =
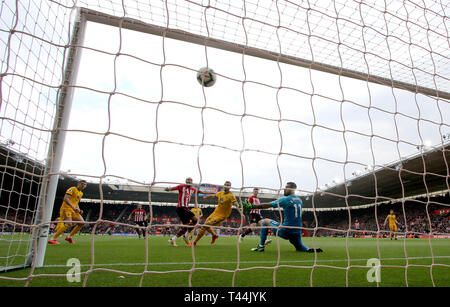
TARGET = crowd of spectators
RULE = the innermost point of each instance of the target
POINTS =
(415, 217)
(19, 220)
(418, 216)
(163, 220)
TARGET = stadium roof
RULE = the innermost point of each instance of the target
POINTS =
(424, 173)
(16, 161)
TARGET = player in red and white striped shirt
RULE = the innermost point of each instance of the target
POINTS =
(140, 218)
(187, 217)
(255, 216)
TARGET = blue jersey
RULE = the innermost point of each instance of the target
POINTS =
(292, 210)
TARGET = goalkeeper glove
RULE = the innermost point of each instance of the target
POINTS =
(246, 205)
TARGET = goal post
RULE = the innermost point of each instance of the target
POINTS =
(47, 194)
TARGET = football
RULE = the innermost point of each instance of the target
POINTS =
(206, 76)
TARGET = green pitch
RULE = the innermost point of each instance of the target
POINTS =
(127, 261)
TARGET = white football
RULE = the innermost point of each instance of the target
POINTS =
(206, 76)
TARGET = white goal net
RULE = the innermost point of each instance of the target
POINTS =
(348, 99)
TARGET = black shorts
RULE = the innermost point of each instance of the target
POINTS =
(185, 214)
(255, 218)
(142, 223)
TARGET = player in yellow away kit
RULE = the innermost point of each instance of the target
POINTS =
(69, 212)
(199, 214)
(392, 224)
(226, 200)
(197, 211)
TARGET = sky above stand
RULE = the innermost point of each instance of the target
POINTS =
(142, 116)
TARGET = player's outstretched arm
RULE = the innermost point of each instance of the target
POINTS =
(209, 195)
(262, 206)
(246, 205)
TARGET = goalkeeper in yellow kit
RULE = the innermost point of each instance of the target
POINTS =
(392, 224)
(226, 200)
(69, 212)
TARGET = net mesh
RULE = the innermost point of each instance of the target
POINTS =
(283, 109)
(32, 48)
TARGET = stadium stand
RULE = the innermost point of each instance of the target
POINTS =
(19, 196)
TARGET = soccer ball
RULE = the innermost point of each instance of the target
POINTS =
(206, 76)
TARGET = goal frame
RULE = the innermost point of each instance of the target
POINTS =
(41, 225)
(73, 53)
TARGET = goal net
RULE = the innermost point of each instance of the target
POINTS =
(348, 99)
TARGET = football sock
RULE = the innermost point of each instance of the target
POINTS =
(75, 229)
(264, 232)
(200, 234)
(58, 225)
(61, 229)
(211, 231)
(181, 232)
(246, 232)
(190, 234)
(185, 229)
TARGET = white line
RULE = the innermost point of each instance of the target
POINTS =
(244, 262)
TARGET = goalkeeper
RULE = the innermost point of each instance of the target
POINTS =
(292, 220)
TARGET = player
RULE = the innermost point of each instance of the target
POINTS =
(292, 210)
(255, 217)
(226, 200)
(139, 215)
(392, 224)
(59, 223)
(199, 214)
(187, 217)
(69, 212)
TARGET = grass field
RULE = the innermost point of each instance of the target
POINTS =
(120, 261)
